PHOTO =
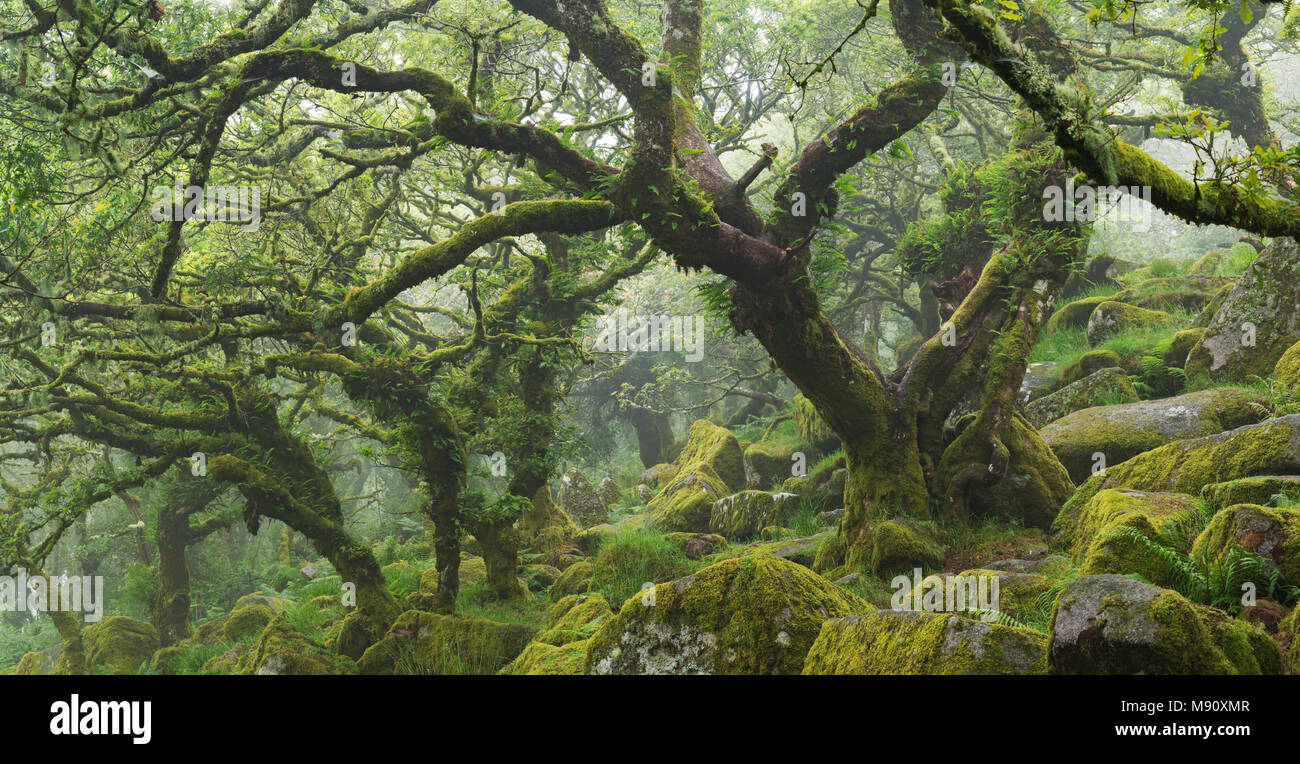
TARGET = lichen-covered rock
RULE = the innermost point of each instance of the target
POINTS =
(900, 545)
(1267, 531)
(697, 545)
(1103, 387)
(281, 650)
(1271, 447)
(1211, 308)
(915, 642)
(610, 492)
(1090, 534)
(575, 579)
(743, 515)
(119, 643)
(766, 464)
(424, 643)
(247, 620)
(754, 614)
(1257, 322)
(812, 429)
(1089, 363)
(579, 499)
(1123, 431)
(1114, 624)
(1258, 489)
(1110, 318)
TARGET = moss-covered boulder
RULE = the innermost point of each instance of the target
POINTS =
(1180, 346)
(767, 464)
(1258, 320)
(686, 504)
(1123, 431)
(742, 515)
(41, 662)
(1017, 593)
(1189, 293)
(1073, 313)
(119, 644)
(575, 618)
(1286, 372)
(1258, 489)
(715, 446)
(801, 551)
(1094, 535)
(1271, 447)
(1110, 318)
(424, 643)
(1089, 363)
(579, 499)
(754, 614)
(915, 642)
(282, 650)
(709, 467)
(1104, 387)
(1289, 641)
(610, 492)
(1270, 532)
(656, 477)
(901, 545)
(574, 579)
(1114, 624)
(541, 659)
(697, 545)
(472, 571)
(244, 621)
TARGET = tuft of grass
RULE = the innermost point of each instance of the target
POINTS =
(477, 601)
(633, 558)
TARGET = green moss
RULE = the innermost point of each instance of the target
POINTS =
(283, 651)
(1110, 318)
(424, 643)
(541, 659)
(575, 618)
(898, 545)
(1259, 489)
(1268, 531)
(247, 620)
(716, 447)
(1187, 466)
(811, 427)
(748, 615)
(1287, 369)
(914, 642)
(686, 504)
(574, 579)
(119, 644)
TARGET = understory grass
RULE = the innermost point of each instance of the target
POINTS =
(635, 557)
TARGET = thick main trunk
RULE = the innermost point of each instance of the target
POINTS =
(171, 611)
(500, 542)
(654, 435)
